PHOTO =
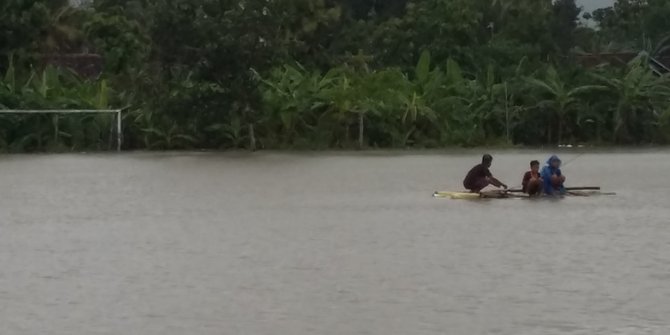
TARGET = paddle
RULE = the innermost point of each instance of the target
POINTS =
(579, 188)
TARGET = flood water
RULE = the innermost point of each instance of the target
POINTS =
(329, 243)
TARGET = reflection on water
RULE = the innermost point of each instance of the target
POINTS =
(328, 244)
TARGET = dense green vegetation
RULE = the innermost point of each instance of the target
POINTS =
(334, 73)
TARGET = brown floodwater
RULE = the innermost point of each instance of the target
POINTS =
(329, 243)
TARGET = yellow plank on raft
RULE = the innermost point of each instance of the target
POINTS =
(456, 195)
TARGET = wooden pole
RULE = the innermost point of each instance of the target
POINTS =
(583, 188)
(507, 114)
(579, 188)
(361, 127)
(119, 132)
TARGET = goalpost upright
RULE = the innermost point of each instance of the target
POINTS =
(117, 112)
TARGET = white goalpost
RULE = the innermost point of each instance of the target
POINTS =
(114, 112)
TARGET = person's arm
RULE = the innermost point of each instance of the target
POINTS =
(497, 183)
(545, 173)
(546, 179)
(526, 178)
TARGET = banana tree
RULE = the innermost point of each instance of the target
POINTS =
(663, 125)
(169, 136)
(466, 106)
(292, 95)
(417, 101)
(53, 88)
(636, 95)
(559, 98)
(341, 99)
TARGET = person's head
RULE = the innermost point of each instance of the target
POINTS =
(535, 166)
(486, 160)
(554, 162)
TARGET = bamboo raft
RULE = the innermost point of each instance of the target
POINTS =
(516, 193)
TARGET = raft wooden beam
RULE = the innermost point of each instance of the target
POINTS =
(579, 188)
(583, 188)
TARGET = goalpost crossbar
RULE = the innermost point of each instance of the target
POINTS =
(119, 133)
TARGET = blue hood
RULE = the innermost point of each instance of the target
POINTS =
(553, 158)
(546, 174)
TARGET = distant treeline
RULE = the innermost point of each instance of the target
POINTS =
(257, 74)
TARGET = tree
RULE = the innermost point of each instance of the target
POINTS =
(21, 26)
(638, 97)
(559, 98)
(123, 42)
(564, 23)
(634, 21)
(446, 28)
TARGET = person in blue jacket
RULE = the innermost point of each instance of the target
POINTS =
(552, 176)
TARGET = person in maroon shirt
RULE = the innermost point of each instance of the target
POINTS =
(479, 176)
(532, 180)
